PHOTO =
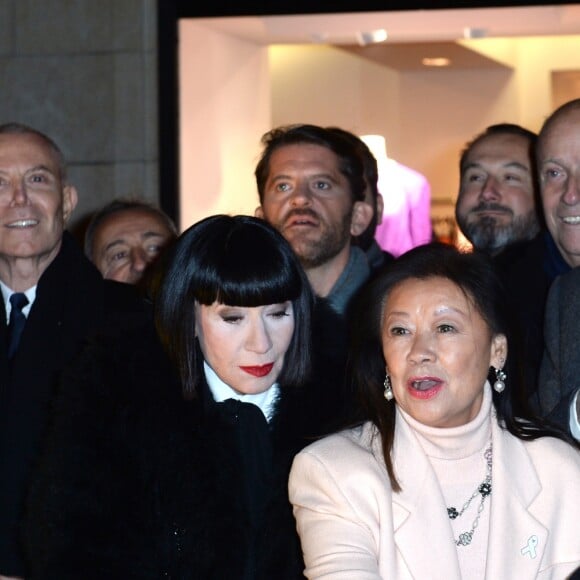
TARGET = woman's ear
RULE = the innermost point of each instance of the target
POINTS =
(499, 350)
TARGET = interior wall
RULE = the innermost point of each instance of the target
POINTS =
(565, 86)
(426, 117)
(441, 110)
(336, 88)
(537, 58)
(225, 107)
(533, 60)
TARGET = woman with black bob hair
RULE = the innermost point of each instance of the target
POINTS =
(445, 475)
(238, 261)
(171, 446)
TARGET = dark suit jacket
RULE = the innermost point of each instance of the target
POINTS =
(560, 371)
(71, 302)
(527, 270)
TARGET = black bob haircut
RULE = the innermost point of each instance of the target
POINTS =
(238, 261)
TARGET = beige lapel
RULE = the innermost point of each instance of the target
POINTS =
(423, 534)
(516, 536)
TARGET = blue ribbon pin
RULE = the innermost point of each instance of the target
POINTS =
(530, 548)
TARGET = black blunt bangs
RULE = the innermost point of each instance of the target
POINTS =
(226, 274)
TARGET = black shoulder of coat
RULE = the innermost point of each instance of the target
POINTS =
(521, 255)
(115, 415)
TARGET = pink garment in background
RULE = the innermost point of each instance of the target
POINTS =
(407, 213)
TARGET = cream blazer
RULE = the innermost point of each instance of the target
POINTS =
(353, 527)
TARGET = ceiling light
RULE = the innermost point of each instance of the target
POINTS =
(469, 32)
(436, 61)
(371, 37)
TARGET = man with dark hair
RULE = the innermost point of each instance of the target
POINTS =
(311, 186)
(125, 236)
(496, 205)
(52, 299)
(376, 256)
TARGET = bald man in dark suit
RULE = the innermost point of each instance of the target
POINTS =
(53, 298)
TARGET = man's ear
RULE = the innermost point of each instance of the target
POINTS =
(69, 201)
(259, 212)
(380, 208)
(362, 214)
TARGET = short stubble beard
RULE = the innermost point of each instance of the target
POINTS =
(332, 240)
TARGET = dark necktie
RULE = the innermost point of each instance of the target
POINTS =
(18, 301)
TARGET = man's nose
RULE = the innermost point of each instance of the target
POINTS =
(139, 259)
(571, 195)
(301, 195)
(19, 194)
(491, 190)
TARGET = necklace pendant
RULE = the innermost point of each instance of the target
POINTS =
(485, 489)
(452, 513)
(465, 539)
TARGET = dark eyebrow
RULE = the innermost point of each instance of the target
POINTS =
(551, 160)
(112, 244)
(517, 165)
(509, 164)
(151, 234)
(121, 241)
(280, 176)
(41, 168)
(327, 176)
(33, 169)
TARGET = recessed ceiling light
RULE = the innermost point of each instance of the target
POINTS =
(436, 61)
(469, 32)
(371, 37)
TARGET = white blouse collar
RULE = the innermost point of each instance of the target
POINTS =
(221, 392)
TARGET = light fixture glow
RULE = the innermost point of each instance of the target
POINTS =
(371, 37)
(436, 61)
(469, 32)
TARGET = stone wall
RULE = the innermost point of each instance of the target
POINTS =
(85, 73)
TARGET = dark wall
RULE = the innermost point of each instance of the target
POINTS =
(192, 8)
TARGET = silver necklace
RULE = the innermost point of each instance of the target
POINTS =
(484, 490)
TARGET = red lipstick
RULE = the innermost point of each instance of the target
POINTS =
(424, 387)
(258, 371)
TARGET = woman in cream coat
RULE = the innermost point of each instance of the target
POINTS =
(440, 481)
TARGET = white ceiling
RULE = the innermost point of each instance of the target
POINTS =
(402, 26)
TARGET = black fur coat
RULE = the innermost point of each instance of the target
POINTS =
(136, 482)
